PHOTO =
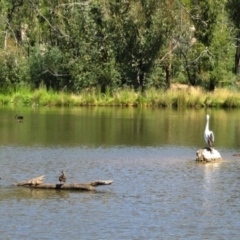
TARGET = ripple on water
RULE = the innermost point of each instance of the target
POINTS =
(155, 195)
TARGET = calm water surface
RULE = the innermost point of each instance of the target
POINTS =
(159, 191)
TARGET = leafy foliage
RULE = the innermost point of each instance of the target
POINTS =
(103, 44)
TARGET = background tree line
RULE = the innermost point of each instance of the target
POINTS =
(73, 45)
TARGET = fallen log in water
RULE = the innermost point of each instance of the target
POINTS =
(34, 181)
(208, 155)
(37, 183)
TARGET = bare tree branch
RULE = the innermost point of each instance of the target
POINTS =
(61, 31)
(168, 53)
(53, 74)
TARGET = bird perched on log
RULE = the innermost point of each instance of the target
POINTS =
(19, 118)
(63, 177)
(208, 135)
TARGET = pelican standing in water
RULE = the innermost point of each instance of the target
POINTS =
(208, 135)
(63, 178)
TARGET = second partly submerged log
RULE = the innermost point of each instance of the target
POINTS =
(88, 186)
(208, 155)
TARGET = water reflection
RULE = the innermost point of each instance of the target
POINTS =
(26, 193)
(117, 126)
(211, 181)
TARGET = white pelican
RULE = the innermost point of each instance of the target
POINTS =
(208, 135)
(63, 177)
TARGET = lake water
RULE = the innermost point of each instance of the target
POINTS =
(159, 191)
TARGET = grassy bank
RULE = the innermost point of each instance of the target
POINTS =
(190, 97)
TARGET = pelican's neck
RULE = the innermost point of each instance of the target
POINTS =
(207, 124)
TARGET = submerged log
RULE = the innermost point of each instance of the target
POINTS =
(236, 154)
(33, 181)
(208, 155)
(37, 183)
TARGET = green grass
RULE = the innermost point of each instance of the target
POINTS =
(184, 98)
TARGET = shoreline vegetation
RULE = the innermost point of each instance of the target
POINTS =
(185, 96)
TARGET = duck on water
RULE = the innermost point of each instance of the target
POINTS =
(19, 118)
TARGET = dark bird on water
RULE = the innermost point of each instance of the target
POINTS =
(19, 118)
(63, 177)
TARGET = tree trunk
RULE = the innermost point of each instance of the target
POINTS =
(168, 69)
(141, 75)
(191, 77)
(211, 85)
(168, 75)
(237, 56)
(140, 78)
(5, 39)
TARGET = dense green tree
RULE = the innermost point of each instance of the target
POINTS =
(87, 49)
(141, 29)
(233, 7)
(104, 44)
(204, 42)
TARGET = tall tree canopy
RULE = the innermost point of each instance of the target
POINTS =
(107, 44)
(233, 7)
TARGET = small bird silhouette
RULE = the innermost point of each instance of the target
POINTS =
(63, 177)
(19, 118)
